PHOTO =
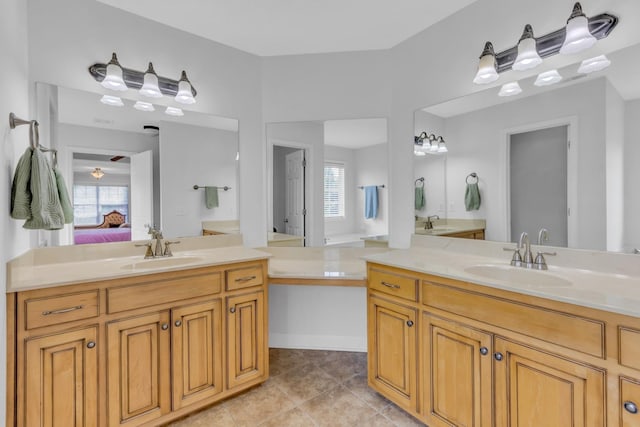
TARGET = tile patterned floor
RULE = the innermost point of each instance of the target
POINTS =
(312, 388)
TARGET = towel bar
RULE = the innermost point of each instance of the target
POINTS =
(198, 187)
(379, 186)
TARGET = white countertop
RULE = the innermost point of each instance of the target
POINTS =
(593, 287)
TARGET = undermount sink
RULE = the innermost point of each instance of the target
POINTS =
(518, 275)
(148, 264)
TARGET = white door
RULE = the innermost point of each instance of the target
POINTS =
(294, 220)
(141, 207)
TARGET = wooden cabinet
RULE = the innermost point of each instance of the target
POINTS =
(490, 357)
(138, 368)
(196, 352)
(457, 374)
(61, 382)
(246, 352)
(141, 350)
(470, 234)
(392, 350)
(535, 388)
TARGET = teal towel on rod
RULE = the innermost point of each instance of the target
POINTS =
(419, 202)
(211, 197)
(472, 197)
(371, 201)
(46, 209)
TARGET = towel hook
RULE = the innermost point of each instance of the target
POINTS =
(421, 180)
(472, 175)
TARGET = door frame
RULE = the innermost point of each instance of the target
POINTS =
(572, 172)
(65, 162)
(309, 154)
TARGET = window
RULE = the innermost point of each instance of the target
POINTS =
(333, 190)
(90, 202)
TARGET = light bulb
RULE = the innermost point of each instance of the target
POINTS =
(578, 37)
(487, 72)
(150, 87)
(113, 79)
(548, 78)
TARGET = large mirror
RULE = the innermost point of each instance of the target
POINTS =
(560, 157)
(126, 168)
(327, 183)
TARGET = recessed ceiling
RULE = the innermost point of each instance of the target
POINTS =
(354, 134)
(292, 27)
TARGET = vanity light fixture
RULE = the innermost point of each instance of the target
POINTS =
(578, 37)
(510, 89)
(114, 101)
(592, 65)
(150, 85)
(487, 67)
(173, 111)
(570, 39)
(548, 78)
(428, 143)
(527, 53)
(114, 76)
(97, 173)
(143, 106)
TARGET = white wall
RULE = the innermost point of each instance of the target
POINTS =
(62, 45)
(631, 156)
(346, 156)
(431, 167)
(615, 185)
(194, 155)
(310, 136)
(15, 98)
(371, 169)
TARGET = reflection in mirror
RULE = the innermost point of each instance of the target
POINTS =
(316, 171)
(510, 143)
(149, 163)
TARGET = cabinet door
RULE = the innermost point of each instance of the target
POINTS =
(392, 351)
(61, 381)
(457, 374)
(534, 388)
(197, 352)
(247, 348)
(138, 369)
(629, 402)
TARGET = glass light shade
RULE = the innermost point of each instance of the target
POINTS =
(418, 152)
(97, 173)
(114, 101)
(113, 80)
(150, 86)
(143, 106)
(578, 37)
(510, 89)
(173, 111)
(548, 78)
(442, 148)
(433, 147)
(527, 55)
(594, 64)
(486, 70)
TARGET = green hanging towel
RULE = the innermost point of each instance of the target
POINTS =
(46, 210)
(65, 200)
(20, 192)
(419, 203)
(211, 197)
(472, 197)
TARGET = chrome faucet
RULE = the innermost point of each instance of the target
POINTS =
(428, 225)
(157, 252)
(540, 263)
(527, 258)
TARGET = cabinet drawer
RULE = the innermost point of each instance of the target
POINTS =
(244, 277)
(162, 291)
(393, 283)
(629, 350)
(565, 329)
(629, 402)
(60, 309)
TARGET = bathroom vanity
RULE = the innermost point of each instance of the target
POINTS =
(464, 339)
(143, 342)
